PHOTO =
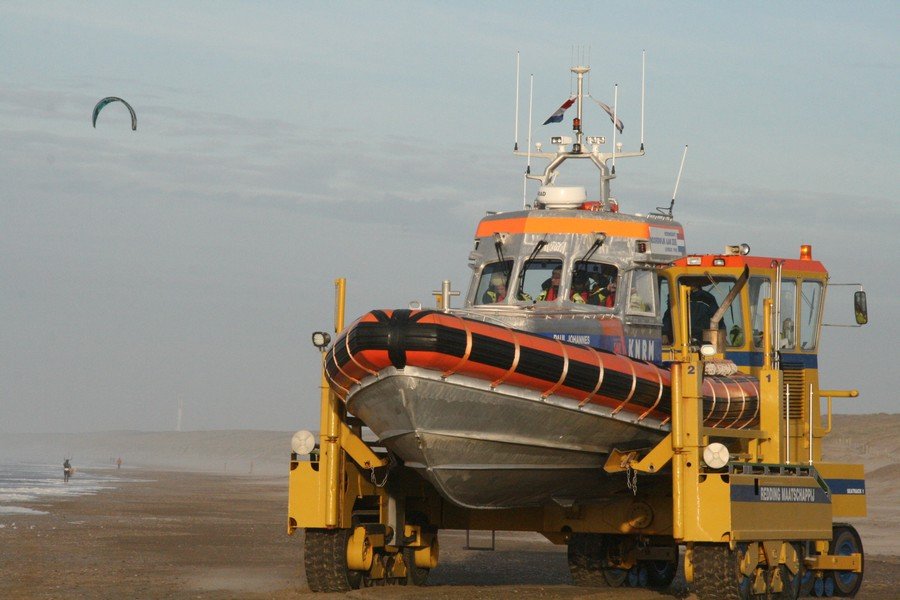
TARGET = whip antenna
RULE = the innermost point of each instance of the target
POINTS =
(516, 145)
(615, 120)
(643, 79)
(528, 165)
(667, 212)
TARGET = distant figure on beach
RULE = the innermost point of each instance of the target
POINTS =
(119, 463)
(67, 470)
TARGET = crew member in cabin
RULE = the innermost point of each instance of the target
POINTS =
(580, 293)
(703, 307)
(497, 289)
(604, 295)
(551, 292)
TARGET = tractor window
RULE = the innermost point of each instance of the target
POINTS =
(595, 283)
(787, 330)
(760, 289)
(810, 303)
(540, 280)
(733, 319)
(641, 293)
(492, 286)
(706, 297)
(668, 337)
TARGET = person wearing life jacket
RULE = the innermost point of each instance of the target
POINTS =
(604, 296)
(551, 292)
(496, 291)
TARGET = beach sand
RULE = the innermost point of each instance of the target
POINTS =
(188, 535)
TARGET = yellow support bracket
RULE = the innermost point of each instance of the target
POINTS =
(831, 562)
(358, 450)
(652, 462)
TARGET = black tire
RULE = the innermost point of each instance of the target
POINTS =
(414, 575)
(846, 541)
(614, 551)
(717, 574)
(661, 573)
(808, 577)
(585, 555)
(325, 561)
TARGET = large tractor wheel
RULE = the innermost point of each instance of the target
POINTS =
(717, 573)
(325, 561)
(844, 542)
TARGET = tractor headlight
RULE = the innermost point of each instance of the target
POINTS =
(716, 455)
(303, 442)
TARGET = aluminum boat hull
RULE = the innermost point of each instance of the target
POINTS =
(501, 448)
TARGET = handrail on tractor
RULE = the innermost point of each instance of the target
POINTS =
(829, 394)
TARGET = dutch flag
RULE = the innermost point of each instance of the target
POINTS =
(558, 115)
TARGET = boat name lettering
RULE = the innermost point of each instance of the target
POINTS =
(786, 494)
(575, 338)
(644, 349)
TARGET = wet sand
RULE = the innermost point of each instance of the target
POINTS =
(187, 535)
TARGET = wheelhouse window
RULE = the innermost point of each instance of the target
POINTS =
(641, 293)
(541, 280)
(810, 309)
(595, 283)
(492, 287)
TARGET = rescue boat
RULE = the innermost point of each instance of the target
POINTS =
(555, 358)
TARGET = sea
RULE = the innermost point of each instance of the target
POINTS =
(24, 483)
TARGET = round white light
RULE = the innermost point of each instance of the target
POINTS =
(716, 455)
(708, 350)
(320, 339)
(745, 249)
(303, 442)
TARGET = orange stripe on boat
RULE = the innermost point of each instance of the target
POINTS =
(566, 225)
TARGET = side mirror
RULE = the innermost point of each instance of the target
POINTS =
(859, 308)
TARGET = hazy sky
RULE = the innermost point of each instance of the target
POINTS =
(282, 145)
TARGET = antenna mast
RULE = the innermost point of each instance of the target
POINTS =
(667, 212)
(615, 129)
(643, 79)
(516, 145)
(528, 166)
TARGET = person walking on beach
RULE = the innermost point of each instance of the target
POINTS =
(119, 463)
(67, 470)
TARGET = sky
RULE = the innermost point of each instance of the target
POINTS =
(282, 145)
